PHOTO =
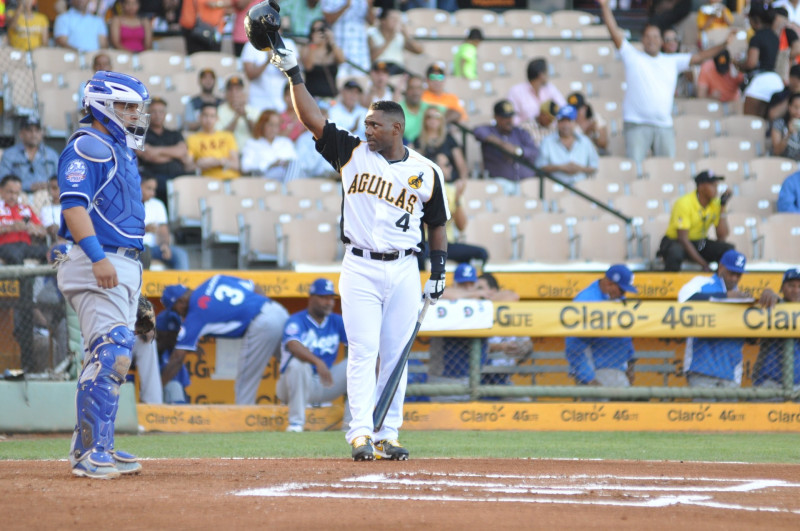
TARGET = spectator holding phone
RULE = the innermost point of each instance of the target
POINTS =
(786, 131)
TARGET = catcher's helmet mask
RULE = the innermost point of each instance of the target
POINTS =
(261, 25)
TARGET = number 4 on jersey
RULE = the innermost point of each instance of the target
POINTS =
(403, 222)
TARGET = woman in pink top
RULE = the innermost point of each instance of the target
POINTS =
(129, 31)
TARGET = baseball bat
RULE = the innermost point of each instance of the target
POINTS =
(382, 406)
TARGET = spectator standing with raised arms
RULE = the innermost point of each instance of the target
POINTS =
(651, 77)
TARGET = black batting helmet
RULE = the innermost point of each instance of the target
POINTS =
(262, 23)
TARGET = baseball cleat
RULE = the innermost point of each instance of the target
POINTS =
(390, 449)
(363, 449)
(86, 469)
(126, 463)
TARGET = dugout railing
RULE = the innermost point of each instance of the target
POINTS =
(473, 381)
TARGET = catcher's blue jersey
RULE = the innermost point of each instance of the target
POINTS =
(321, 339)
(97, 173)
(222, 306)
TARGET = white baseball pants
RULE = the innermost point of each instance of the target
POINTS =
(380, 304)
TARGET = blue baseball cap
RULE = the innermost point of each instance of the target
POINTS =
(465, 273)
(734, 261)
(620, 275)
(567, 112)
(791, 274)
(168, 321)
(322, 286)
(171, 294)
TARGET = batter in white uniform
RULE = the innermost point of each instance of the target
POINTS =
(389, 191)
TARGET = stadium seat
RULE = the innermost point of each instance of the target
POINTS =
(255, 187)
(313, 188)
(258, 242)
(604, 189)
(734, 171)
(734, 148)
(58, 111)
(711, 109)
(75, 78)
(571, 19)
(574, 205)
(598, 53)
(219, 224)
(466, 18)
(546, 238)
(635, 206)
(757, 197)
(183, 198)
(781, 237)
(496, 232)
(223, 64)
(616, 169)
(665, 169)
(296, 206)
(163, 61)
(516, 205)
(426, 22)
(46, 59)
(743, 233)
(751, 128)
(646, 189)
(121, 60)
(772, 170)
(606, 240)
(306, 243)
(527, 19)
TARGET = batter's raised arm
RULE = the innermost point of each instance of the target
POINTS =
(304, 104)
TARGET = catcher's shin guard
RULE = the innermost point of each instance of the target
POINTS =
(98, 395)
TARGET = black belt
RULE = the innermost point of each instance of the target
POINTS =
(383, 257)
(127, 252)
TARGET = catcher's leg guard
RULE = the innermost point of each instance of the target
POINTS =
(98, 397)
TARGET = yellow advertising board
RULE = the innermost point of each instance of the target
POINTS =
(655, 285)
(493, 416)
(638, 319)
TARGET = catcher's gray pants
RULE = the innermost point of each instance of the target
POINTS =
(99, 310)
(260, 342)
(299, 387)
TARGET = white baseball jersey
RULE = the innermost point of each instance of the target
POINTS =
(385, 202)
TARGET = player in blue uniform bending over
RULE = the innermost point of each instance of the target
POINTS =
(168, 324)
(604, 361)
(101, 277)
(311, 341)
(225, 306)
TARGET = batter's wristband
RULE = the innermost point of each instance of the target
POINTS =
(438, 258)
(91, 246)
(294, 75)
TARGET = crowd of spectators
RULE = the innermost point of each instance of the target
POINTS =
(244, 124)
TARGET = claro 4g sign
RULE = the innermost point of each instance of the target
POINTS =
(636, 318)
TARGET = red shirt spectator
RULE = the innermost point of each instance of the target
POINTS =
(17, 224)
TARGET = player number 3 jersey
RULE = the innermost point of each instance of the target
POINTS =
(384, 202)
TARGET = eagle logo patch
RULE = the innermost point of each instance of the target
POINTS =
(415, 181)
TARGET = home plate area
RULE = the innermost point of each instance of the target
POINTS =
(718, 493)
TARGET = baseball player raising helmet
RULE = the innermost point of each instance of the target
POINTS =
(389, 191)
(101, 276)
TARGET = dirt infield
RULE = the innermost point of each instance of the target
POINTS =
(417, 494)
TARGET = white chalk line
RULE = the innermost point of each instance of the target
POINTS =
(381, 486)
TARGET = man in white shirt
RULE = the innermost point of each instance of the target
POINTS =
(651, 78)
(50, 213)
(157, 238)
(266, 82)
(348, 113)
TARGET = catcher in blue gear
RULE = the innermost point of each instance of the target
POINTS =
(101, 276)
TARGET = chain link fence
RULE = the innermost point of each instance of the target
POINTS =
(38, 329)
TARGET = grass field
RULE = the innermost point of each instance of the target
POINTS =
(740, 447)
